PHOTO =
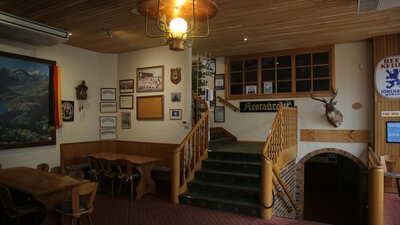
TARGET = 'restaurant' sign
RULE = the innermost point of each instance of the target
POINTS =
(387, 77)
(263, 106)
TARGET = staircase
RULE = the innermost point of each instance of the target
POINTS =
(229, 178)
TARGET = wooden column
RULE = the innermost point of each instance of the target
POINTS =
(375, 196)
(266, 189)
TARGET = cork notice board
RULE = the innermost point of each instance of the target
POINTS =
(150, 107)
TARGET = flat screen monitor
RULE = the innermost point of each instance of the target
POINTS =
(393, 132)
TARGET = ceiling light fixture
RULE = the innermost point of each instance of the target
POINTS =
(178, 20)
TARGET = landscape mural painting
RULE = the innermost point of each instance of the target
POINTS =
(26, 101)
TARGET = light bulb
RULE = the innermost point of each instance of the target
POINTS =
(178, 26)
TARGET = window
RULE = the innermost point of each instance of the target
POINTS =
(281, 74)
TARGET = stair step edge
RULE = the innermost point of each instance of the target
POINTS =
(229, 173)
(222, 200)
(235, 162)
(242, 188)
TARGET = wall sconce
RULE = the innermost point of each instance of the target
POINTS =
(178, 20)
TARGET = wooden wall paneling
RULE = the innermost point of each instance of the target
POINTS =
(384, 46)
(71, 153)
(346, 136)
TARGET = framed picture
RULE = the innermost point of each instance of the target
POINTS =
(150, 107)
(267, 87)
(107, 94)
(67, 108)
(150, 79)
(251, 89)
(175, 97)
(108, 107)
(219, 114)
(26, 101)
(219, 83)
(108, 121)
(393, 132)
(126, 86)
(126, 101)
(108, 134)
(175, 114)
(126, 120)
(212, 67)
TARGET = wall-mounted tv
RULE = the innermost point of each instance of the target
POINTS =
(393, 132)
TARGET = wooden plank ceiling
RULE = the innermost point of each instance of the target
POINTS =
(269, 25)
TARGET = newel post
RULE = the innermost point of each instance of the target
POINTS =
(375, 196)
(266, 188)
(175, 177)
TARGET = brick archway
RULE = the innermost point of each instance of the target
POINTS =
(300, 175)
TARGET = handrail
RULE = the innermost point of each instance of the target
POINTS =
(375, 189)
(188, 156)
(282, 136)
(223, 101)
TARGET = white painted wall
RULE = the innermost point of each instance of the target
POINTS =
(165, 131)
(354, 76)
(98, 70)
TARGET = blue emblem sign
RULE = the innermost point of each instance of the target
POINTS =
(387, 77)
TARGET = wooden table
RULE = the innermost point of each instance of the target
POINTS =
(143, 164)
(48, 188)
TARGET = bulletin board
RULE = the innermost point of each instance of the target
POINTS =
(150, 107)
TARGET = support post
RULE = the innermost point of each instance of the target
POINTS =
(175, 177)
(266, 188)
(375, 196)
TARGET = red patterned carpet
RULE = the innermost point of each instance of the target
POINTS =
(157, 210)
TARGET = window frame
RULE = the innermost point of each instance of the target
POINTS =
(292, 53)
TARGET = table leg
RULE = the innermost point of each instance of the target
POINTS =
(146, 182)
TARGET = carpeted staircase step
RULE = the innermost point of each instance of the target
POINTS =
(232, 166)
(220, 204)
(217, 190)
(235, 156)
(228, 178)
(221, 141)
(216, 133)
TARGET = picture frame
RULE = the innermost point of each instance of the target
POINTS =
(219, 82)
(268, 87)
(213, 67)
(108, 121)
(392, 131)
(68, 110)
(150, 79)
(150, 107)
(175, 97)
(108, 107)
(108, 134)
(126, 86)
(125, 120)
(126, 101)
(251, 89)
(219, 114)
(108, 94)
(19, 130)
(175, 114)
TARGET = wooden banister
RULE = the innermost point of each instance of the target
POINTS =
(282, 136)
(225, 102)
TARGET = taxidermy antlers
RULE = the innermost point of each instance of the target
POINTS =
(334, 116)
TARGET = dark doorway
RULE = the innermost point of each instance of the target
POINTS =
(331, 189)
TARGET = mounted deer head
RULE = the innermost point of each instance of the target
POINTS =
(334, 116)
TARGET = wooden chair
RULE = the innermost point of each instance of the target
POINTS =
(17, 210)
(94, 172)
(391, 168)
(57, 170)
(108, 173)
(126, 174)
(82, 199)
(43, 167)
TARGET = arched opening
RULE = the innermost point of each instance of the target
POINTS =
(332, 189)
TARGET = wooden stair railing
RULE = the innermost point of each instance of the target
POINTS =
(375, 189)
(282, 136)
(225, 102)
(188, 156)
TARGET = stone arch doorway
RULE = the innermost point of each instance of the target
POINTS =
(331, 187)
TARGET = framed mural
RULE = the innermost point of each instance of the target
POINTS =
(26, 101)
(150, 79)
